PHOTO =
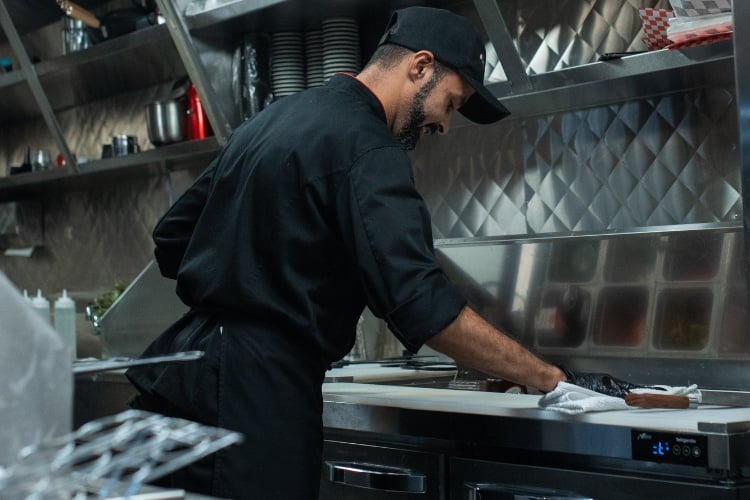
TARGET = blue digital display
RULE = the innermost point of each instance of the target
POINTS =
(660, 448)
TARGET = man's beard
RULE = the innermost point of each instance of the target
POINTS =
(410, 133)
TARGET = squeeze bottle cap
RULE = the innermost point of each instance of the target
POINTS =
(39, 301)
(64, 300)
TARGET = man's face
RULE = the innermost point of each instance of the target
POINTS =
(432, 106)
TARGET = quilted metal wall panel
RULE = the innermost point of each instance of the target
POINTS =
(661, 161)
(92, 239)
(473, 181)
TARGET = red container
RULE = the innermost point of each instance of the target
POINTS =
(198, 126)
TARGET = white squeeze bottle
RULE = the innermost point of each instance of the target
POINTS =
(65, 322)
(41, 305)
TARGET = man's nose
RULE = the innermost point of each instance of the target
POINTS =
(445, 125)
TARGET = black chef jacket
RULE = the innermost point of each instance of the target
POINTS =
(308, 214)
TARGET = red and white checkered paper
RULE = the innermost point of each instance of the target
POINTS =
(655, 24)
(702, 40)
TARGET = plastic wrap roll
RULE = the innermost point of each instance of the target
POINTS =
(254, 83)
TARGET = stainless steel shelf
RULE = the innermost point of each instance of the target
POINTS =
(181, 156)
(12, 78)
(270, 16)
(227, 10)
(134, 61)
(106, 50)
(631, 77)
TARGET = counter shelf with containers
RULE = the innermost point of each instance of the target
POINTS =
(661, 295)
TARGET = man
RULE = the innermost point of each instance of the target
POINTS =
(308, 214)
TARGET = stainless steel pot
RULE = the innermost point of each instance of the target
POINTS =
(167, 121)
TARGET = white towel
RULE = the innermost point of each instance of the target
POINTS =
(572, 399)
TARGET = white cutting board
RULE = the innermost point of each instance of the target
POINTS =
(420, 398)
(374, 372)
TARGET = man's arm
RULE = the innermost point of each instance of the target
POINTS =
(472, 341)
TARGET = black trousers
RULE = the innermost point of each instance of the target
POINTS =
(263, 384)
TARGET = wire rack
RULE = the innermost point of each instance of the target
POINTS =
(110, 457)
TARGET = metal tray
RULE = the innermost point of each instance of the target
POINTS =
(84, 367)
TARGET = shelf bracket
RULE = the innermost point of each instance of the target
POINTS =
(508, 56)
(180, 34)
(36, 87)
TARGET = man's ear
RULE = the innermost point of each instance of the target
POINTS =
(422, 62)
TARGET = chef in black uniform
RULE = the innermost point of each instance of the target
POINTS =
(309, 214)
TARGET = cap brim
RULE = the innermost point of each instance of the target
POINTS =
(482, 107)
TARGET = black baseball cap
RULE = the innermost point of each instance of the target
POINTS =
(455, 42)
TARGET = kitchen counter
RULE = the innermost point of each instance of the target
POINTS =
(504, 421)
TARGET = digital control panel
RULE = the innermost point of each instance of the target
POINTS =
(682, 449)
